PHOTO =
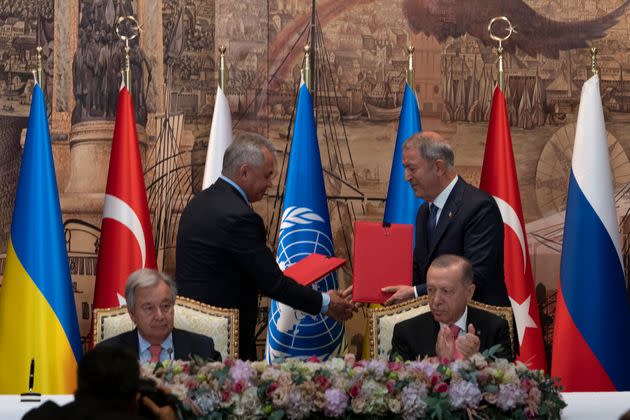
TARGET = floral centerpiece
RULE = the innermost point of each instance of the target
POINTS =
(482, 387)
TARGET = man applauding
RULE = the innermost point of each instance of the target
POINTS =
(452, 329)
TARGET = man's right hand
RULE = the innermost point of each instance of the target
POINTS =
(399, 294)
(339, 308)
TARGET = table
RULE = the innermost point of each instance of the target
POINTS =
(581, 405)
(595, 405)
(12, 409)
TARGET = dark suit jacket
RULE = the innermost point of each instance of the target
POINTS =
(417, 336)
(223, 260)
(470, 225)
(185, 344)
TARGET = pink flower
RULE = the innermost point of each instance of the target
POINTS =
(441, 387)
(355, 390)
(239, 387)
(225, 395)
(395, 366)
(349, 359)
(390, 385)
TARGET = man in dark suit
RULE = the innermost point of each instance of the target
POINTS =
(222, 254)
(150, 299)
(457, 218)
(452, 329)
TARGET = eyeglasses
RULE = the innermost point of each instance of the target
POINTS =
(150, 310)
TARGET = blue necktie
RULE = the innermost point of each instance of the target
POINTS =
(433, 211)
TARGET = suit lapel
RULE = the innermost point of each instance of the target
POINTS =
(181, 347)
(131, 342)
(449, 211)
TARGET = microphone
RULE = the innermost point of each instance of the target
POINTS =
(31, 396)
(170, 353)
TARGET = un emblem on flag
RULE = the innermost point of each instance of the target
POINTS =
(293, 333)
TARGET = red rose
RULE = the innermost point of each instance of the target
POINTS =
(313, 359)
(390, 385)
(239, 387)
(225, 395)
(322, 382)
(441, 387)
(436, 378)
(272, 387)
(355, 390)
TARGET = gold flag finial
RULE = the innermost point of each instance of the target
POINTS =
(500, 40)
(38, 72)
(594, 66)
(133, 32)
(222, 50)
(410, 50)
(307, 66)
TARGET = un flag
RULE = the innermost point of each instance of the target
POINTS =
(304, 229)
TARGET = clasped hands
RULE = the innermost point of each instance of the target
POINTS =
(340, 307)
(467, 344)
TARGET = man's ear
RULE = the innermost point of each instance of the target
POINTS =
(440, 166)
(131, 315)
(470, 290)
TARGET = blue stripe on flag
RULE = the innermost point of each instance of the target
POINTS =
(592, 281)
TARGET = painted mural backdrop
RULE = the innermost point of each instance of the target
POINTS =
(360, 74)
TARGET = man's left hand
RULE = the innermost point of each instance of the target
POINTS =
(468, 344)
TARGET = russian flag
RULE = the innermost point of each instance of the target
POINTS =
(592, 327)
(38, 319)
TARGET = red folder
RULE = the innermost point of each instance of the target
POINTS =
(312, 268)
(383, 256)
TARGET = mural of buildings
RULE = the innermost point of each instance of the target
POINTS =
(361, 63)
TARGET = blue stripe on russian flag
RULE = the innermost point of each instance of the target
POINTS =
(593, 286)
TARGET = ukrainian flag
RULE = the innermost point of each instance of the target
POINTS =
(38, 318)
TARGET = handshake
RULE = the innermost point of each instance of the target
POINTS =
(341, 306)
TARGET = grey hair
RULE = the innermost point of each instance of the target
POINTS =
(449, 260)
(146, 277)
(245, 148)
(431, 148)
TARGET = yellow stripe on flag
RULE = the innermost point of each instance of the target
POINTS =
(29, 328)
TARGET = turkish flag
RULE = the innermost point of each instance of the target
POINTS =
(498, 178)
(126, 243)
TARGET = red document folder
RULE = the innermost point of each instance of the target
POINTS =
(312, 268)
(383, 256)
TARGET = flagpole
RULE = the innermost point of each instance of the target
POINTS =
(594, 66)
(37, 72)
(222, 50)
(410, 50)
(500, 40)
(306, 75)
(134, 30)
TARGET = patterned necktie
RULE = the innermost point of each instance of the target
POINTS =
(433, 211)
(455, 331)
(155, 350)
